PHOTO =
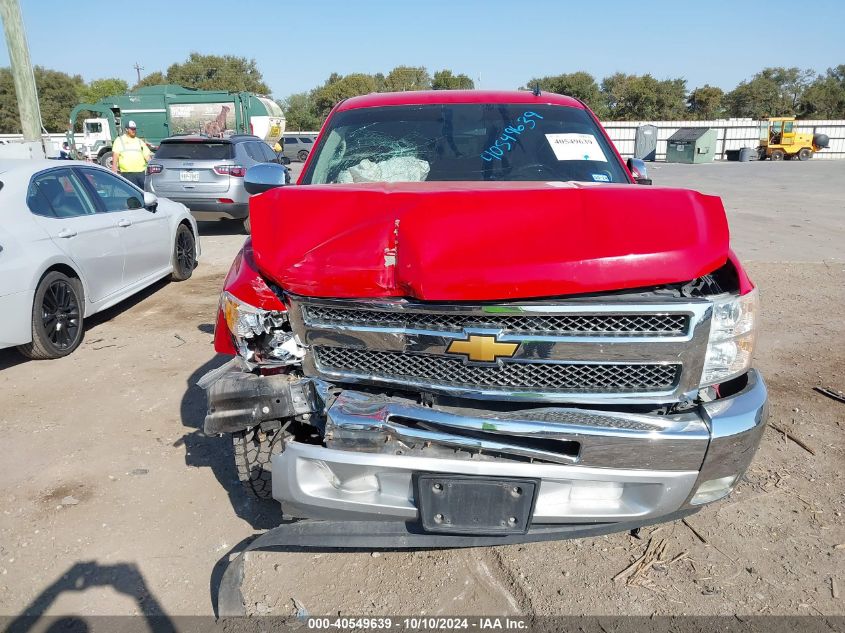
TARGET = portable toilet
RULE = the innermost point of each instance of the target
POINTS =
(645, 142)
(691, 145)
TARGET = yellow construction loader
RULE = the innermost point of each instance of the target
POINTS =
(779, 140)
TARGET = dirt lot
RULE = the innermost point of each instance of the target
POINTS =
(114, 502)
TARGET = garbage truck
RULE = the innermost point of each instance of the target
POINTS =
(169, 110)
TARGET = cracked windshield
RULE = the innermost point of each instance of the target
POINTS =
(464, 142)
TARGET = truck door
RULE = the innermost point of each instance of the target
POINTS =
(788, 137)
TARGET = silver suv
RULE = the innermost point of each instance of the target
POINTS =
(298, 146)
(207, 174)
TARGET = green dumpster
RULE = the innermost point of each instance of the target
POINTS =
(691, 145)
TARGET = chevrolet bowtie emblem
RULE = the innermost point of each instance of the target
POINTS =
(482, 349)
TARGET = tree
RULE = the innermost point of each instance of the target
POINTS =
(825, 97)
(218, 72)
(771, 92)
(642, 97)
(338, 88)
(58, 93)
(580, 85)
(153, 79)
(404, 78)
(445, 80)
(301, 112)
(99, 88)
(706, 102)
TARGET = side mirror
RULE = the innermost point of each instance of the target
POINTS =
(638, 171)
(150, 202)
(263, 177)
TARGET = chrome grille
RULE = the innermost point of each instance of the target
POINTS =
(627, 324)
(538, 376)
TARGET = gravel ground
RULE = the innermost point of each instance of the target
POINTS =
(113, 501)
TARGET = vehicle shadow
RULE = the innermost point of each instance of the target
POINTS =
(216, 453)
(124, 578)
(10, 357)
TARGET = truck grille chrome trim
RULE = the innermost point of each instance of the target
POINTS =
(632, 324)
(362, 423)
(535, 376)
(596, 350)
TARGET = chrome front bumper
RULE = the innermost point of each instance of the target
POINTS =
(610, 467)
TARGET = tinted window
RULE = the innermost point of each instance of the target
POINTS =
(305, 140)
(195, 150)
(253, 150)
(58, 193)
(465, 142)
(114, 193)
(269, 154)
(289, 140)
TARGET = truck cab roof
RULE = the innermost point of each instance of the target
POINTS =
(429, 97)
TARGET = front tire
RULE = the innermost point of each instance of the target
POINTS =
(106, 160)
(184, 254)
(805, 154)
(254, 449)
(57, 317)
(777, 154)
(302, 155)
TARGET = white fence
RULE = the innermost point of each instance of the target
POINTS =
(730, 134)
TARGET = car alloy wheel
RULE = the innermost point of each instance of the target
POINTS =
(60, 315)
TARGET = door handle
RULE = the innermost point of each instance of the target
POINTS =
(124, 222)
(66, 233)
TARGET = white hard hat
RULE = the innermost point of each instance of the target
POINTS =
(131, 125)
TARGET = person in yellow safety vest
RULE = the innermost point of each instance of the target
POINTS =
(130, 155)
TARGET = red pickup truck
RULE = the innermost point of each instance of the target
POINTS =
(468, 319)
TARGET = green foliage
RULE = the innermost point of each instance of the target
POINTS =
(825, 97)
(705, 103)
(580, 85)
(10, 121)
(153, 79)
(57, 94)
(642, 97)
(771, 92)
(445, 80)
(404, 78)
(218, 72)
(337, 88)
(301, 112)
(99, 88)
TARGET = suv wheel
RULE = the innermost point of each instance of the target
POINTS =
(302, 155)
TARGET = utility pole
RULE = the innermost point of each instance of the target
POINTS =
(138, 68)
(22, 73)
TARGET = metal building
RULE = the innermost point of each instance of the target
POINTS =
(691, 145)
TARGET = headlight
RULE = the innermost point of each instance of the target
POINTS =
(263, 337)
(733, 330)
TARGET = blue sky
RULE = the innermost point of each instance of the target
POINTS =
(499, 44)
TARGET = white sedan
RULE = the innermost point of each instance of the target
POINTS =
(76, 239)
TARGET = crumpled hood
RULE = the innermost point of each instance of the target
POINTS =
(441, 241)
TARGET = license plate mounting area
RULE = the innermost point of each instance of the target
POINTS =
(470, 504)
